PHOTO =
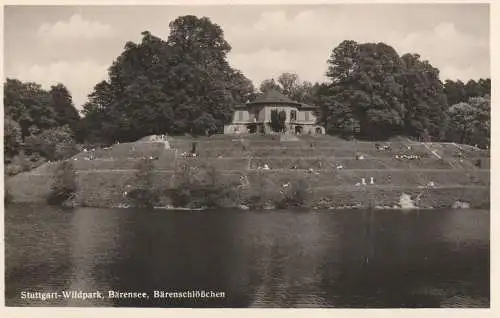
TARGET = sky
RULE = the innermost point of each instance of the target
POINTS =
(75, 45)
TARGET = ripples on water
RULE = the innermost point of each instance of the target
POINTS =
(344, 259)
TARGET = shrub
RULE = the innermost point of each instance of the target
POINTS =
(145, 194)
(53, 144)
(262, 192)
(64, 185)
(181, 194)
(208, 190)
(295, 195)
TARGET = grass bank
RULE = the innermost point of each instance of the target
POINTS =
(225, 173)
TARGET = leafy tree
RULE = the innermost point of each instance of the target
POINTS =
(485, 86)
(423, 97)
(159, 86)
(12, 138)
(364, 88)
(241, 87)
(470, 122)
(29, 105)
(455, 92)
(53, 144)
(473, 89)
(62, 103)
(205, 124)
(290, 85)
(97, 123)
(269, 85)
(288, 82)
(462, 122)
(39, 124)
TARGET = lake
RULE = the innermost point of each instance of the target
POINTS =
(346, 259)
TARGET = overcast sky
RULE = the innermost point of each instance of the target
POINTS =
(76, 44)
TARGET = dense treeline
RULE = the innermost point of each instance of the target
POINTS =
(184, 84)
(374, 93)
(39, 124)
(181, 85)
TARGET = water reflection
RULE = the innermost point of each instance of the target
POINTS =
(259, 259)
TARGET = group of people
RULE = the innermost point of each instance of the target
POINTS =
(158, 138)
(363, 182)
(265, 167)
(383, 147)
(189, 154)
(407, 157)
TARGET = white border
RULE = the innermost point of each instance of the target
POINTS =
(251, 313)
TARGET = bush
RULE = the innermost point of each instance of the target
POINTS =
(64, 186)
(53, 144)
(202, 188)
(145, 194)
(295, 195)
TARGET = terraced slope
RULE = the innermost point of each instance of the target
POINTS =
(452, 168)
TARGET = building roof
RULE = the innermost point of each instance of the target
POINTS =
(273, 97)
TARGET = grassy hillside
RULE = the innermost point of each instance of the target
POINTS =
(314, 161)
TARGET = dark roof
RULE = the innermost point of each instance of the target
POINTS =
(271, 97)
(274, 97)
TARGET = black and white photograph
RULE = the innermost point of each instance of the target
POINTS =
(331, 155)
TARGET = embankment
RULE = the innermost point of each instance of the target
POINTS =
(322, 172)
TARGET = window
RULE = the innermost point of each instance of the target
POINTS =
(293, 115)
(306, 114)
(240, 116)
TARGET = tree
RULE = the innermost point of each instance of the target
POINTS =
(290, 85)
(485, 86)
(170, 86)
(53, 144)
(473, 89)
(470, 122)
(62, 102)
(97, 123)
(29, 105)
(12, 139)
(288, 82)
(205, 124)
(201, 68)
(364, 88)
(39, 124)
(269, 85)
(455, 92)
(241, 87)
(423, 97)
(462, 126)
(275, 121)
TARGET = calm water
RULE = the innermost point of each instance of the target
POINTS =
(259, 259)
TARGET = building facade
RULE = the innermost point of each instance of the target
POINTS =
(254, 117)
